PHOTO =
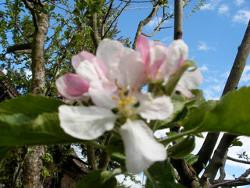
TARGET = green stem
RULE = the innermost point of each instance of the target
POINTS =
(175, 137)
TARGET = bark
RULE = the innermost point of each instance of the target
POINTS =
(33, 161)
(178, 19)
(231, 84)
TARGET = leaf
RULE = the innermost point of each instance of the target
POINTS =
(19, 129)
(31, 120)
(98, 179)
(3, 151)
(30, 105)
(230, 114)
(161, 175)
(183, 148)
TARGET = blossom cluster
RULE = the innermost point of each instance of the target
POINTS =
(115, 80)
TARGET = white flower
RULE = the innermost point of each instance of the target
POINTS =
(116, 75)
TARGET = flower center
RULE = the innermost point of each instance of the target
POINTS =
(125, 104)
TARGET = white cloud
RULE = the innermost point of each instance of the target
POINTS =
(202, 46)
(223, 9)
(239, 2)
(242, 16)
(203, 68)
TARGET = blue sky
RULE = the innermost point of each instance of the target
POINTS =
(213, 35)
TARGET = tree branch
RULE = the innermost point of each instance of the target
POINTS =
(145, 21)
(33, 164)
(232, 183)
(178, 15)
(239, 63)
(238, 160)
(19, 47)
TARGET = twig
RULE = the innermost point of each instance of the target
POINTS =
(145, 21)
(238, 160)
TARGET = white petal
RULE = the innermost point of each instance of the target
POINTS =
(85, 123)
(190, 80)
(158, 108)
(177, 53)
(87, 70)
(110, 52)
(141, 149)
(131, 70)
(103, 94)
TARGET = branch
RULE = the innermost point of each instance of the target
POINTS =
(115, 19)
(91, 157)
(239, 63)
(19, 47)
(106, 18)
(33, 163)
(238, 160)
(95, 32)
(144, 22)
(217, 159)
(232, 183)
(178, 14)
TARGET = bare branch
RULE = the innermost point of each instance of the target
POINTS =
(19, 48)
(145, 21)
(106, 17)
(232, 183)
(238, 160)
(95, 32)
(115, 19)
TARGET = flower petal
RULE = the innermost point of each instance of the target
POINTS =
(177, 53)
(85, 123)
(72, 86)
(103, 94)
(143, 46)
(141, 149)
(158, 108)
(84, 56)
(111, 52)
(87, 70)
(190, 80)
(131, 71)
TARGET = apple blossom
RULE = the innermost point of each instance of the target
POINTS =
(115, 76)
(162, 62)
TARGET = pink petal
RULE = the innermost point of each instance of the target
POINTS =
(143, 46)
(83, 56)
(72, 86)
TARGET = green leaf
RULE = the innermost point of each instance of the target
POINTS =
(19, 129)
(30, 105)
(3, 151)
(230, 114)
(183, 148)
(31, 120)
(161, 175)
(98, 179)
